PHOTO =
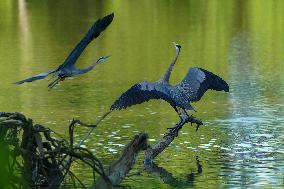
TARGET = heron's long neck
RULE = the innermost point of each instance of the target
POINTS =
(167, 75)
(88, 68)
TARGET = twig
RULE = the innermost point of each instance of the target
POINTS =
(93, 127)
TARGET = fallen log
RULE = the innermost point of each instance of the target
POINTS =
(119, 169)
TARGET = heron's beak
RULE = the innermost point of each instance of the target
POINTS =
(177, 46)
(103, 59)
(106, 57)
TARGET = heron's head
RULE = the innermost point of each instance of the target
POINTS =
(177, 46)
(102, 59)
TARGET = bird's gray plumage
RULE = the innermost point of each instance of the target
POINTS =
(140, 93)
(145, 91)
(197, 81)
(190, 89)
(166, 77)
(36, 77)
(67, 69)
(99, 26)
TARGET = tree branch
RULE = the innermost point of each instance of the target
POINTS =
(164, 142)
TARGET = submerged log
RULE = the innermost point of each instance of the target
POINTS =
(118, 170)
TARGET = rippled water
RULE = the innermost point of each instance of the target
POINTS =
(241, 145)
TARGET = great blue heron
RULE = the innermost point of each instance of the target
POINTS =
(67, 69)
(196, 82)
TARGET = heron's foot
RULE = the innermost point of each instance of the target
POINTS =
(197, 126)
(174, 130)
(195, 120)
(184, 118)
(54, 83)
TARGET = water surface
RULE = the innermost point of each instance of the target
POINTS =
(242, 143)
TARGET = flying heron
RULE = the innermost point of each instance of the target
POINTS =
(68, 69)
(196, 82)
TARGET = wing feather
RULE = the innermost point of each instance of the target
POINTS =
(198, 81)
(99, 26)
(36, 77)
(138, 94)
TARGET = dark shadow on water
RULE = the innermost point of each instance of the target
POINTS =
(168, 178)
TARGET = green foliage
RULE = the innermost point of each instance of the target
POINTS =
(5, 174)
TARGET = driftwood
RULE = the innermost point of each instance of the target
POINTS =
(120, 168)
(163, 143)
(46, 160)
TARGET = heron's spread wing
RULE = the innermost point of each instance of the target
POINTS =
(198, 81)
(99, 26)
(36, 77)
(138, 94)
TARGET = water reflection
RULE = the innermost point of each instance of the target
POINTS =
(254, 147)
(23, 19)
(242, 142)
(170, 180)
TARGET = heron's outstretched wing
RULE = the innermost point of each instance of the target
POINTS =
(36, 77)
(198, 81)
(138, 94)
(99, 26)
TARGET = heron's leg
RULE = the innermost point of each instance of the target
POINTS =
(53, 83)
(53, 75)
(179, 125)
(192, 119)
(184, 118)
(177, 110)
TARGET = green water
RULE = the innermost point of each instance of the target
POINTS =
(241, 145)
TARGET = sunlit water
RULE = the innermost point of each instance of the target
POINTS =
(242, 143)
